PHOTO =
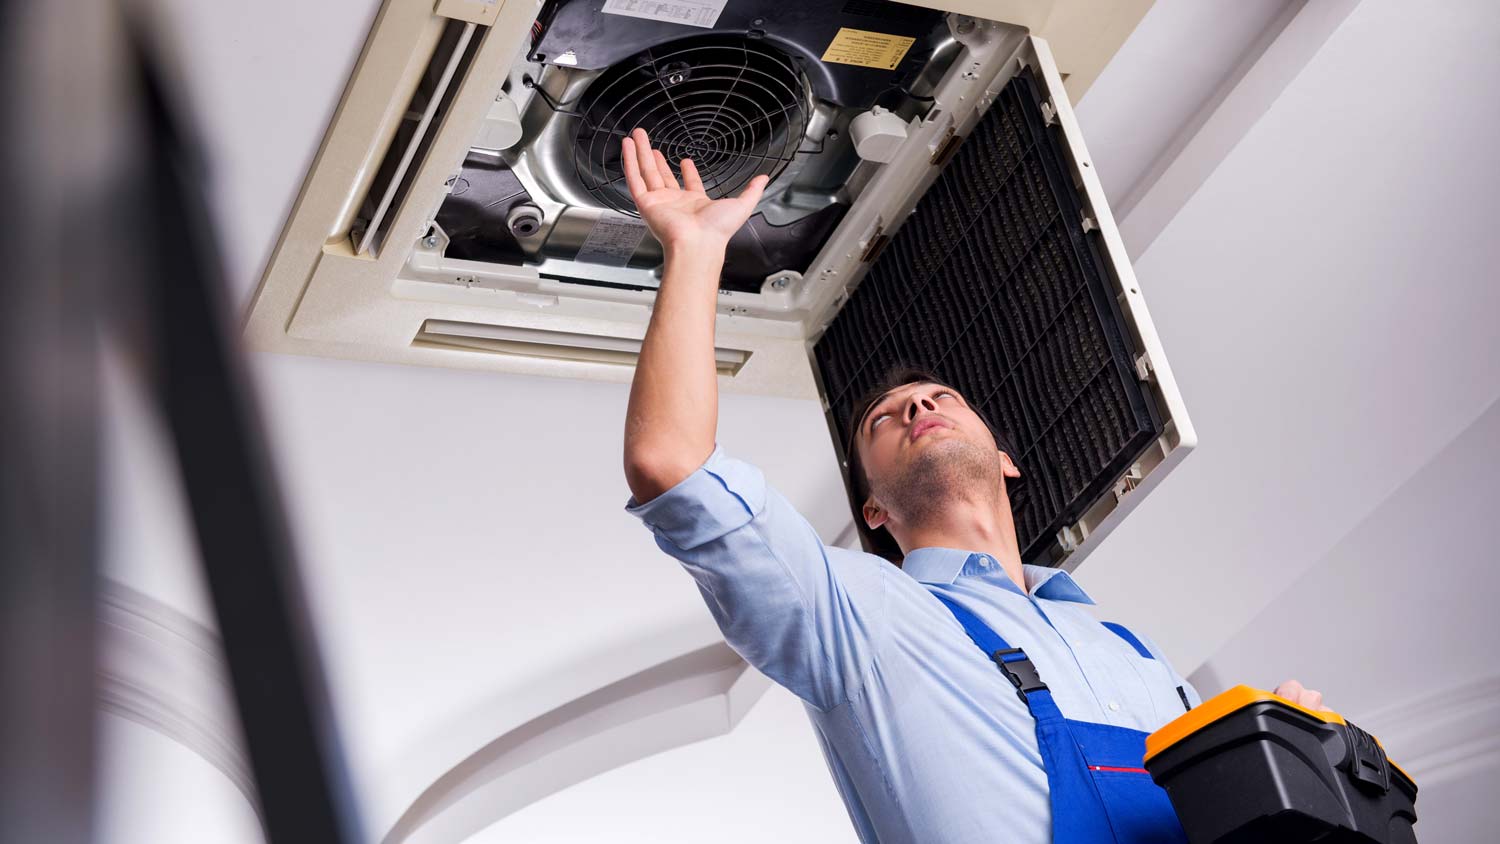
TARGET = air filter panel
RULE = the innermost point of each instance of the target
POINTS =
(996, 283)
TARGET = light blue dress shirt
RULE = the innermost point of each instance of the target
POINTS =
(926, 740)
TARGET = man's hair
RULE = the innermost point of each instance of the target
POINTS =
(880, 540)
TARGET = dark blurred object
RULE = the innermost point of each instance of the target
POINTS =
(107, 218)
(54, 78)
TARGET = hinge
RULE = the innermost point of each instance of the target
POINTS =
(946, 148)
(1070, 537)
(877, 244)
(1143, 368)
(1127, 482)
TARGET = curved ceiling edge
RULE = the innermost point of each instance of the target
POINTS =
(165, 671)
(698, 695)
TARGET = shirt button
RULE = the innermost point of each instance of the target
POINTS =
(1114, 707)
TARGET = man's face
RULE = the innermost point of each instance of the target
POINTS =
(920, 435)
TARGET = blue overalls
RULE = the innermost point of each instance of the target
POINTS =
(1099, 791)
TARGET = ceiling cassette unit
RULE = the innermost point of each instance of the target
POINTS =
(930, 202)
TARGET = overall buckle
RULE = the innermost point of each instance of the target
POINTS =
(1019, 671)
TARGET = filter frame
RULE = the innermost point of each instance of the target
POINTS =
(1013, 368)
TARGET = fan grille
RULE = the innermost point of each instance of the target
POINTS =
(737, 107)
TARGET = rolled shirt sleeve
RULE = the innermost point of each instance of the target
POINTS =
(804, 614)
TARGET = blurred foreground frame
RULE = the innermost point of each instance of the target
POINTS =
(109, 235)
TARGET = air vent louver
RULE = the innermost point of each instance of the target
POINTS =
(551, 344)
(993, 284)
(429, 104)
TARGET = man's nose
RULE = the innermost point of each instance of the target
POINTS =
(921, 403)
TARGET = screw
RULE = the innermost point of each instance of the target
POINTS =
(779, 283)
(430, 241)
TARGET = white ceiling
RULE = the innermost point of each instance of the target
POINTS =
(1326, 300)
(1169, 68)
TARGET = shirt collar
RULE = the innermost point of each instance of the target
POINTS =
(942, 566)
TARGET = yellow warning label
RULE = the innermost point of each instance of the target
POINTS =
(867, 49)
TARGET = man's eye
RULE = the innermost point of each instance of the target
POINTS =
(948, 394)
(875, 423)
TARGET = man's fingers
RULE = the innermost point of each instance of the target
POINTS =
(1302, 696)
(1290, 690)
(690, 178)
(632, 170)
(751, 194)
(649, 174)
(668, 179)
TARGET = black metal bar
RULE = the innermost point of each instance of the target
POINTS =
(244, 542)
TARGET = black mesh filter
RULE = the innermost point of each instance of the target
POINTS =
(734, 105)
(993, 285)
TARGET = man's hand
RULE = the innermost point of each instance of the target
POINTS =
(673, 414)
(682, 214)
(1306, 698)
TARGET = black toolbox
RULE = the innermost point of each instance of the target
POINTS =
(1248, 766)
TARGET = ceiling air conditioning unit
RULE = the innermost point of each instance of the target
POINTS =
(930, 201)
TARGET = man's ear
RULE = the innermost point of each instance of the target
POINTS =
(1008, 468)
(875, 516)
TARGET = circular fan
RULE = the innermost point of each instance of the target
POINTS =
(737, 107)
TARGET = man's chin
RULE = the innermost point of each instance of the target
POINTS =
(933, 449)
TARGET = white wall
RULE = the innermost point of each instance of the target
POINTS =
(1397, 627)
(155, 791)
(1327, 301)
(468, 555)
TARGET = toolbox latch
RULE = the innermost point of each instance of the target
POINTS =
(1366, 760)
(1017, 668)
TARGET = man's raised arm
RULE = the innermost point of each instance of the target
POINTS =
(673, 413)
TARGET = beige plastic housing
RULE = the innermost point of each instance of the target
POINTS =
(331, 289)
(320, 296)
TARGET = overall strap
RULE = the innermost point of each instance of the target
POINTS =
(1013, 662)
(1141, 649)
(1120, 630)
(1078, 813)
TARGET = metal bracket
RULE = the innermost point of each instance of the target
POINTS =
(433, 237)
(482, 12)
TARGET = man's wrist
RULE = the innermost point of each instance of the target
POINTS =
(695, 250)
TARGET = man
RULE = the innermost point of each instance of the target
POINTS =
(927, 738)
